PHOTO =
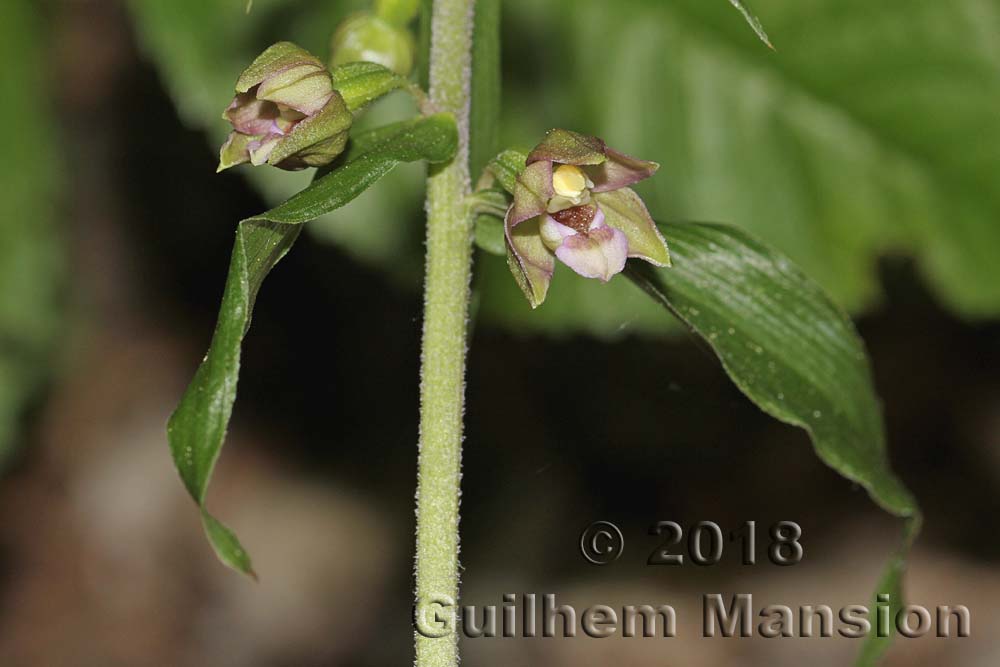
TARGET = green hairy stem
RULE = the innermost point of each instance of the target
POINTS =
(446, 307)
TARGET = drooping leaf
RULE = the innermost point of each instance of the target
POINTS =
(31, 249)
(484, 121)
(891, 584)
(790, 350)
(197, 428)
(752, 20)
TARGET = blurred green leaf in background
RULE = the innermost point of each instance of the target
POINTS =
(872, 131)
(30, 249)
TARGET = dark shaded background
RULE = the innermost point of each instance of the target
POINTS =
(102, 561)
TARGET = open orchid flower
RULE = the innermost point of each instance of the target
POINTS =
(285, 113)
(572, 202)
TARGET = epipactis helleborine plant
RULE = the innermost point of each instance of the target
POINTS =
(286, 113)
(572, 202)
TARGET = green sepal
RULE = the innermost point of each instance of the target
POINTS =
(568, 147)
(531, 262)
(318, 140)
(532, 192)
(507, 167)
(624, 210)
(276, 58)
(235, 151)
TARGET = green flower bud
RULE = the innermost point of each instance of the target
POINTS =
(285, 113)
(367, 38)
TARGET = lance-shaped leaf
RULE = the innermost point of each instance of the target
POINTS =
(198, 427)
(791, 351)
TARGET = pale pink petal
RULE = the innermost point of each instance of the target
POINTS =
(599, 254)
(553, 233)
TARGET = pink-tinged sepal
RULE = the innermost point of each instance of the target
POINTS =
(305, 88)
(568, 147)
(532, 192)
(620, 171)
(530, 261)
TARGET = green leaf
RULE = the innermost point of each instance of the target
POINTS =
(790, 350)
(197, 428)
(752, 20)
(891, 584)
(32, 258)
(484, 120)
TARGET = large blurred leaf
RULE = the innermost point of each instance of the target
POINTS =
(791, 351)
(872, 130)
(197, 428)
(30, 250)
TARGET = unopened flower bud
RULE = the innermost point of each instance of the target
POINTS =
(364, 37)
(285, 113)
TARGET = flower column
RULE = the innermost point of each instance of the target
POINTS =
(447, 287)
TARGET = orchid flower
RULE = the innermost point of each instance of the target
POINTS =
(572, 203)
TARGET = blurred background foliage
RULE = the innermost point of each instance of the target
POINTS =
(31, 244)
(866, 147)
